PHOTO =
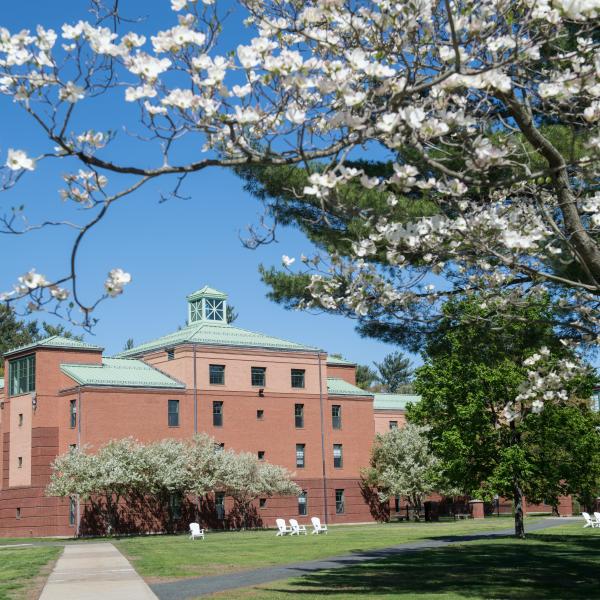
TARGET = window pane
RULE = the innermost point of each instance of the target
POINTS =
(173, 413)
(218, 414)
(393, 424)
(337, 456)
(339, 502)
(300, 460)
(73, 413)
(303, 504)
(196, 310)
(214, 309)
(259, 376)
(170, 354)
(336, 416)
(299, 415)
(217, 374)
(298, 378)
(22, 375)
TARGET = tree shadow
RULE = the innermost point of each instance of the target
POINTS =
(540, 568)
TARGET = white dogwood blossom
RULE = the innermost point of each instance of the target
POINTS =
(18, 159)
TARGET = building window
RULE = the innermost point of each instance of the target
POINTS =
(397, 504)
(72, 511)
(170, 353)
(260, 413)
(259, 376)
(338, 459)
(262, 502)
(303, 504)
(220, 505)
(218, 413)
(22, 375)
(216, 374)
(18, 512)
(219, 447)
(300, 456)
(298, 378)
(72, 447)
(173, 413)
(261, 455)
(336, 416)
(20, 419)
(215, 309)
(175, 505)
(19, 461)
(299, 415)
(196, 310)
(339, 502)
(73, 413)
(393, 424)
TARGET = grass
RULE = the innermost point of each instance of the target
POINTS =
(555, 564)
(174, 557)
(20, 569)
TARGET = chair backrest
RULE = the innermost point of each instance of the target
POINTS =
(195, 528)
(281, 524)
(586, 516)
(597, 515)
(294, 524)
(316, 522)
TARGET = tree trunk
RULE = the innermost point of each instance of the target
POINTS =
(518, 500)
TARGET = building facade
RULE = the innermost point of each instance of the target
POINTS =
(288, 403)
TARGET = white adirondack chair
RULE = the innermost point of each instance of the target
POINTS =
(196, 532)
(317, 527)
(297, 529)
(597, 515)
(590, 521)
(283, 528)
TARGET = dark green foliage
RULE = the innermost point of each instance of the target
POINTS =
(365, 377)
(232, 314)
(395, 370)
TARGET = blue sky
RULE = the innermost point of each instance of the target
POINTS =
(171, 248)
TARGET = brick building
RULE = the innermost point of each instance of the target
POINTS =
(287, 402)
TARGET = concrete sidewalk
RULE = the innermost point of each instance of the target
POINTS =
(94, 571)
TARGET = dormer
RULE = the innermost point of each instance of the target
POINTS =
(207, 305)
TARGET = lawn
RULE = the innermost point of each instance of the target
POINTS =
(174, 557)
(20, 569)
(555, 564)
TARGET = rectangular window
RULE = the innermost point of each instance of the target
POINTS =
(299, 415)
(393, 424)
(261, 455)
(260, 413)
(218, 413)
(171, 354)
(217, 374)
(20, 419)
(220, 505)
(219, 447)
(72, 511)
(298, 378)
(175, 505)
(19, 461)
(259, 376)
(262, 502)
(173, 413)
(303, 504)
(300, 456)
(336, 416)
(339, 502)
(397, 503)
(73, 413)
(18, 513)
(22, 375)
(338, 459)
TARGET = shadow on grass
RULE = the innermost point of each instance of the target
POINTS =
(541, 567)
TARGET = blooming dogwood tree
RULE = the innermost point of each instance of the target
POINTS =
(463, 96)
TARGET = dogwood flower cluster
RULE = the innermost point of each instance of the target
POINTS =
(458, 97)
(117, 279)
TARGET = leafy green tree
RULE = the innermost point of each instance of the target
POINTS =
(471, 385)
(402, 464)
(232, 314)
(395, 370)
(365, 377)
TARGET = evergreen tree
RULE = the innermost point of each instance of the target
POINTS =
(395, 370)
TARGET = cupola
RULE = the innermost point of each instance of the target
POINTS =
(207, 305)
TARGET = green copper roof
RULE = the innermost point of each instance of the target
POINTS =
(334, 360)
(207, 291)
(120, 372)
(339, 387)
(394, 401)
(217, 334)
(56, 341)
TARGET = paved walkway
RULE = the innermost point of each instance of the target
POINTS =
(94, 571)
(192, 588)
